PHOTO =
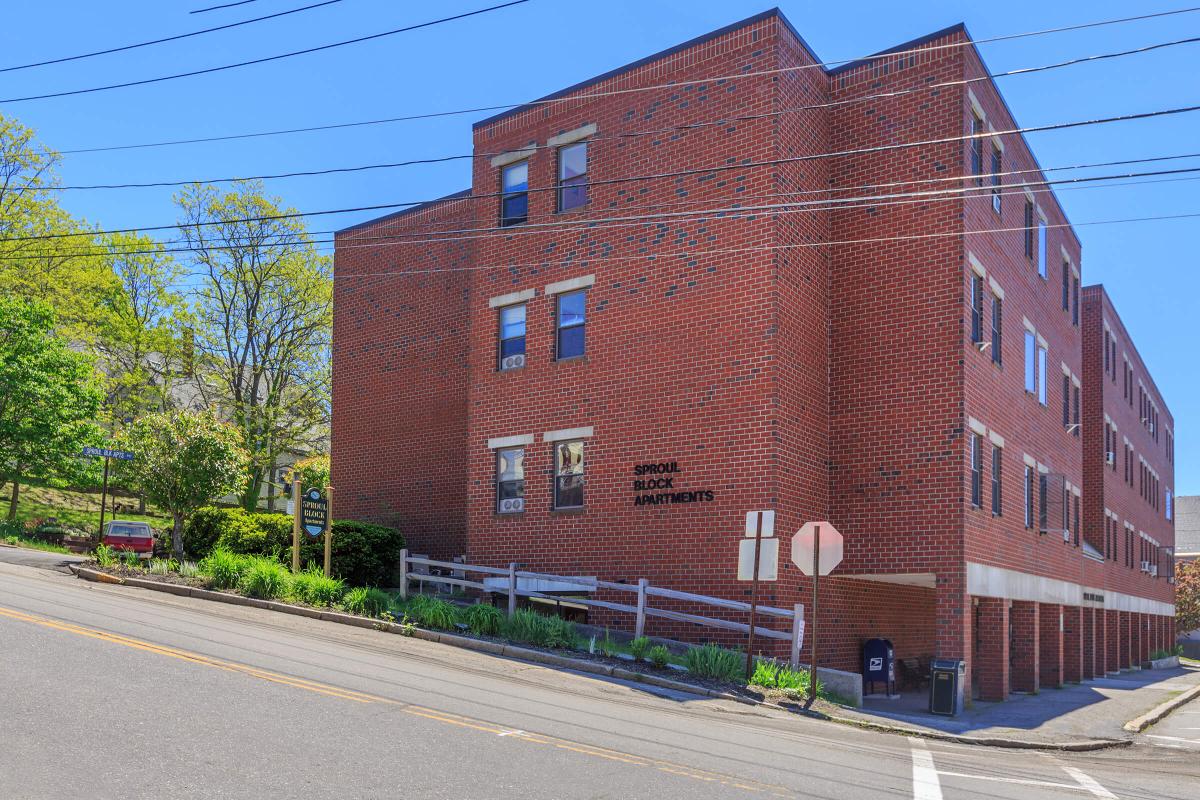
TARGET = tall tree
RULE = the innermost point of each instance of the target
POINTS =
(49, 397)
(264, 314)
(182, 460)
(1187, 596)
(141, 335)
(37, 261)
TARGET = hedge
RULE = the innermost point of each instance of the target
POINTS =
(362, 554)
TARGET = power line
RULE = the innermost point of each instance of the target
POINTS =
(223, 5)
(166, 38)
(478, 109)
(675, 174)
(264, 59)
(630, 134)
(729, 213)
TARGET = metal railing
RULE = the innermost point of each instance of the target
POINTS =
(641, 610)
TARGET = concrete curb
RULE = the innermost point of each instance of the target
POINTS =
(579, 665)
(1156, 714)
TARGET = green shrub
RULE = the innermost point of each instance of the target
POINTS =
(366, 602)
(361, 554)
(223, 568)
(658, 656)
(432, 612)
(105, 556)
(773, 675)
(560, 633)
(483, 619)
(277, 530)
(312, 587)
(241, 534)
(203, 529)
(639, 647)
(265, 578)
(711, 661)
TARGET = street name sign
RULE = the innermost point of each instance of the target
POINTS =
(108, 452)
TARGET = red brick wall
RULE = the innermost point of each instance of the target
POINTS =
(400, 377)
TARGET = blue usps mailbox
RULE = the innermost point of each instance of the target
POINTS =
(879, 665)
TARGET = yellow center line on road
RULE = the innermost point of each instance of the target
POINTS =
(408, 708)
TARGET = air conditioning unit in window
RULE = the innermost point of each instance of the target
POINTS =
(512, 504)
(1154, 570)
(1066, 536)
(513, 362)
(1145, 566)
(1110, 457)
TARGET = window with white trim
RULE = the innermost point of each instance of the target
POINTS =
(1042, 358)
(514, 193)
(1042, 245)
(512, 337)
(510, 480)
(568, 475)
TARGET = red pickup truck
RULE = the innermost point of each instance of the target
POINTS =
(135, 536)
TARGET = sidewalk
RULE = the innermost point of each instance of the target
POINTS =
(1091, 711)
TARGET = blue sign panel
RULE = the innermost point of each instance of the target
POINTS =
(313, 512)
(108, 452)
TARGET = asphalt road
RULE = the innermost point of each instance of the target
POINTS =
(110, 692)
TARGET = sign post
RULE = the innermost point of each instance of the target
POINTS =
(107, 453)
(758, 525)
(814, 561)
(295, 526)
(328, 527)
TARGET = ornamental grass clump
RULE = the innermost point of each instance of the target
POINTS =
(105, 556)
(483, 619)
(710, 661)
(313, 587)
(162, 566)
(659, 656)
(266, 579)
(223, 569)
(432, 612)
(525, 626)
(773, 675)
(639, 647)
(366, 602)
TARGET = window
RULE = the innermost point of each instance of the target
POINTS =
(1075, 301)
(1041, 232)
(977, 148)
(996, 183)
(976, 308)
(1106, 361)
(997, 318)
(996, 499)
(514, 193)
(568, 475)
(572, 176)
(1167, 503)
(1029, 241)
(976, 470)
(512, 337)
(1113, 344)
(1041, 375)
(1066, 286)
(1066, 401)
(1029, 472)
(1075, 411)
(1078, 522)
(1043, 487)
(1030, 362)
(510, 480)
(571, 318)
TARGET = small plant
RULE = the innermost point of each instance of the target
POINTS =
(130, 560)
(433, 613)
(266, 579)
(659, 656)
(105, 556)
(560, 633)
(715, 662)
(189, 569)
(771, 674)
(606, 646)
(162, 566)
(314, 588)
(366, 602)
(223, 568)
(639, 647)
(406, 625)
(483, 619)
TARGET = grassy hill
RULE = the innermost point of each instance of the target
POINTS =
(80, 509)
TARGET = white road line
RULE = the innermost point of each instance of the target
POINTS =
(1024, 781)
(1173, 738)
(926, 785)
(1088, 782)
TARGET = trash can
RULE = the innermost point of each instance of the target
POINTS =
(946, 678)
(879, 665)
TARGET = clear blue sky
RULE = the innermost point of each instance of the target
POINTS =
(530, 50)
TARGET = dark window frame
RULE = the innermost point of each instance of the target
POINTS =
(578, 181)
(559, 476)
(501, 339)
(997, 330)
(997, 480)
(516, 483)
(560, 327)
(976, 308)
(976, 456)
(506, 196)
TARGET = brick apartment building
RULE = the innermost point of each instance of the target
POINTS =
(660, 307)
